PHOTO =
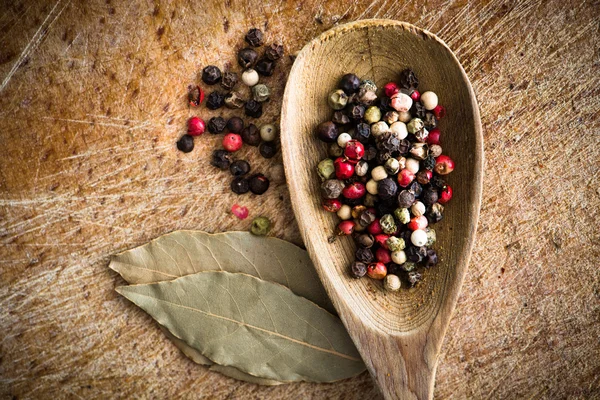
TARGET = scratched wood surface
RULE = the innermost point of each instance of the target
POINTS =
(92, 100)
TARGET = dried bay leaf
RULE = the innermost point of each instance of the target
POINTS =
(187, 252)
(260, 327)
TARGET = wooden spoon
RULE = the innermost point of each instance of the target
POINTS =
(399, 335)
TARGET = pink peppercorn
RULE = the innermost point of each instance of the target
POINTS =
(354, 150)
(445, 195)
(374, 228)
(377, 270)
(390, 89)
(232, 142)
(381, 240)
(433, 137)
(196, 126)
(405, 177)
(415, 95)
(382, 255)
(345, 228)
(343, 168)
(418, 223)
(444, 165)
(439, 111)
(332, 205)
(239, 211)
(355, 190)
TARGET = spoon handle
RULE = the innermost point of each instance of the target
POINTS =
(403, 366)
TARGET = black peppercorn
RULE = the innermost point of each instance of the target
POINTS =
(430, 121)
(340, 118)
(429, 163)
(365, 255)
(211, 75)
(358, 269)
(234, 100)
(385, 207)
(350, 83)
(366, 218)
(220, 159)
(415, 254)
(240, 185)
(431, 259)
(251, 135)
(404, 146)
(393, 269)
(274, 52)
(437, 181)
(415, 188)
(247, 57)
(229, 80)
(418, 110)
(357, 111)
(434, 213)
(268, 149)
(265, 67)
(235, 124)
(383, 156)
(215, 100)
(362, 132)
(429, 196)
(253, 109)
(405, 199)
(405, 235)
(239, 168)
(385, 104)
(388, 142)
(365, 240)
(332, 188)
(254, 37)
(370, 153)
(216, 125)
(414, 277)
(327, 132)
(185, 143)
(387, 188)
(408, 80)
(258, 184)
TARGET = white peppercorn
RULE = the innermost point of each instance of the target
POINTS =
(268, 132)
(343, 139)
(429, 100)
(435, 150)
(379, 128)
(401, 102)
(418, 209)
(399, 130)
(250, 77)
(418, 238)
(391, 283)
(404, 116)
(378, 173)
(371, 187)
(412, 165)
(361, 168)
(399, 256)
(345, 212)
(392, 166)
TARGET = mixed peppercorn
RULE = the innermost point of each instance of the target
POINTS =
(385, 175)
(236, 131)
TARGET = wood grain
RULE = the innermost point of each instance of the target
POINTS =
(93, 100)
(399, 335)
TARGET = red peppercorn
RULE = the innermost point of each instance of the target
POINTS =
(384, 256)
(239, 211)
(374, 228)
(232, 142)
(445, 195)
(439, 111)
(196, 126)
(433, 137)
(444, 165)
(418, 223)
(424, 176)
(195, 95)
(355, 190)
(343, 169)
(405, 177)
(354, 150)
(390, 89)
(332, 205)
(381, 240)
(345, 228)
(377, 270)
(415, 95)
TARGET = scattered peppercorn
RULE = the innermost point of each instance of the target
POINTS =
(229, 80)
(350, 83)
(268, 149)
(250, 77)
(240, 185)
(408, 80)
(239, 168)
(265, 67)
(211, 75)
(260, 92)
(195, 95)
(327, 132)
(254, 37)
(258, 183)
(260, 226)
(253, 109)
(185, 143)
(251, 135)
(274, 52)
(215, 100)
(358, 269)
(216, 125)
(221, 159)
(235, 124)
(340, 118)
(247, 57)
(234, 100)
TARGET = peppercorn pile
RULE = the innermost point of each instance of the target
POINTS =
(385, 177)
(236, 131)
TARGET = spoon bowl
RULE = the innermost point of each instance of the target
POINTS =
(399, 335)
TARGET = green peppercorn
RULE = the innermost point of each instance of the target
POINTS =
(402, 215)
(392, 166)
(388, 225)
(415, 125)
(431, 236)
(372, 115)
(260, 92)
(395, 244)
(260, 226)
(335, 150)
(368, 85)
(338, 99)
(326, 169)
(408, 266)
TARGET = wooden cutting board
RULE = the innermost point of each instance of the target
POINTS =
(92, 101)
